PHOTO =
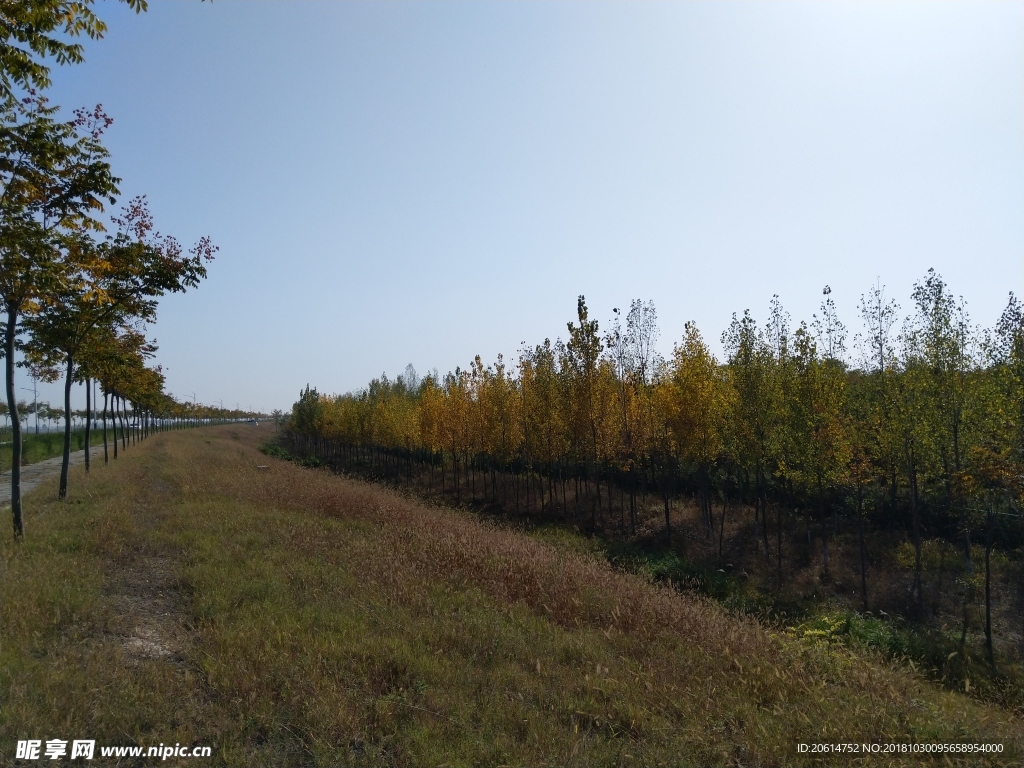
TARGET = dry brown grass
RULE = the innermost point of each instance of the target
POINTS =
(324, 621)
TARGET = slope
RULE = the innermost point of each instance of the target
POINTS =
(198, 592)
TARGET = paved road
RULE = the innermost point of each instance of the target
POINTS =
(34, 474)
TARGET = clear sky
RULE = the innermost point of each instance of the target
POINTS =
(424, 181)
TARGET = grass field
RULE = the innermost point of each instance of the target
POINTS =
(199, 592)
(43, 446)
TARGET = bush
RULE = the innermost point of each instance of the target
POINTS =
(276, 452)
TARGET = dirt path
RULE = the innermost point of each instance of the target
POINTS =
(34, 474)
(145, 592)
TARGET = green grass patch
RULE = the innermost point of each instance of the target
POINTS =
(940, 655)
(46, 445)
(276, 451)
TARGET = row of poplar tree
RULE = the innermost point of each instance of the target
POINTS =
(919, 427)
(75, 296)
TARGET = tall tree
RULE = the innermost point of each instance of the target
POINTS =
(756, 421)
(35, 31)
(635, 359)
(54, 176)
(111, 283)
(820, 452)
(1006, 355)
(583, 350)
(699, 397)
(941, 351)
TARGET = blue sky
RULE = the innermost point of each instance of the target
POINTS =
(422, 182)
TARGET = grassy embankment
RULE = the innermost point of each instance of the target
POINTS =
(286, 616)
(731, 568)
(46, 445)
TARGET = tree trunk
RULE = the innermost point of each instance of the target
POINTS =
(824, 531)
(968, 588)
(106, 456)
(721, 525)
(515, 484)
(863, 555)
(764, 515)
(632, 501)
(12, 406)
(552, 498)
(668, 520)
(988, 590)
(88, 419)
(565, 503)
(706, 510)
(622, 508)
(912, 477)
(778, 540)
(757, 521)
(65, 463)
(455, 472)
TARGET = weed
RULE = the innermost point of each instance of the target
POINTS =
(330, 622)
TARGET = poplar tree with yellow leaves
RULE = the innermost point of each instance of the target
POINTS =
(821, 449)
(699, 402)
(580, 363)
(501, 408)
(923, 434)
(755, 419)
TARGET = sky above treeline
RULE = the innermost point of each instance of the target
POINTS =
(399, 182)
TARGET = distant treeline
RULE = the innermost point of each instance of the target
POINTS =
(920, 428)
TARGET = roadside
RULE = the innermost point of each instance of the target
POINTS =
(32, 475)
(198, 592)
(46, 445)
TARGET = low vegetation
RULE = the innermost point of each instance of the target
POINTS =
(723, 568)
(36, 448)
(198, 591)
